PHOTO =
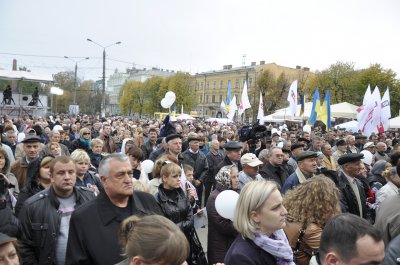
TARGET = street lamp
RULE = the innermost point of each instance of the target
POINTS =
(103, 97)
(76, 70)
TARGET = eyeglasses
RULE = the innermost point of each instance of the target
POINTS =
(85, 133)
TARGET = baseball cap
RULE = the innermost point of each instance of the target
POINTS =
(251, 160)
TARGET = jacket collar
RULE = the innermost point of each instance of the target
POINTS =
(108, 211)
(53, 196)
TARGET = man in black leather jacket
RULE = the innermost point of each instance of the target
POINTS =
(44, 218)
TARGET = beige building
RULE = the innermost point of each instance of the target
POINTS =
(211, 87)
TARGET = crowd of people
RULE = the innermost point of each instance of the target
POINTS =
(75, 190)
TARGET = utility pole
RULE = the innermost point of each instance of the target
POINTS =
(103, 96)
(75, 76)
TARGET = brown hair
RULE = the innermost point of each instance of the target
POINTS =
(62, 160)
(154, 238)
(158, 164)
(136, 153)
(7, 163)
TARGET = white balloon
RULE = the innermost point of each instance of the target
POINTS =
(368, 156)
(170, 101)
(307, 128)
(170, 94)
(274, 130)
(165, 104)
(225, 203)
(147, 166)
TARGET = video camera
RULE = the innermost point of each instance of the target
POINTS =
(253, 133)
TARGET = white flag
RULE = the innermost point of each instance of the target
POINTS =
(292, 98)
(360, 109)
(385, 111)
(367, 95)
(232, 109)
(244, 101)
(369, 114)
(223, 107)
(260, 115)
(376, 117)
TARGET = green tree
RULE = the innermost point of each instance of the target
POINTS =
(129, 100)
(376, 75)
(65, 81)
(179, 84)
(339, 78)
(152, 86)
(266, 84)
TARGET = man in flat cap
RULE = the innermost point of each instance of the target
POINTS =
(233, 152)
(32, 148)
(306, 168)
(198, 161)
(275, 139)
(174, 145)
(296, 149)
(361, 140)
(352, 199)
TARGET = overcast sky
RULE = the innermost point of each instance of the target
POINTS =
(200, 35)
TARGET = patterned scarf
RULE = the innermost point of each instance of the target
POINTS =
(276, 245)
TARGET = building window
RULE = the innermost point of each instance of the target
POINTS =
(206, 99)
(237, 83)
(201, 99)
(201, 85)
(208, 84)
(220, 98)
(213, 98)
(229, 82)
(221, 83)
(250, 81)
(214, 84)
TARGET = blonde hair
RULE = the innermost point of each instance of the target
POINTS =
(314, 201)
(84, 130)
(154, 238)
(95, 142)
(80, 155)
(251, 198)
(138, 185)
(54, 144)
(168, 168)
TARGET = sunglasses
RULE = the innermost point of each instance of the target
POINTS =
(85, 133)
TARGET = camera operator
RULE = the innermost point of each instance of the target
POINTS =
(8, 222)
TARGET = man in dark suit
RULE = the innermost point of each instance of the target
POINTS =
(93, 233)
(353, 197)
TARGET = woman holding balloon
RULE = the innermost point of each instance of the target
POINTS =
(260, 218)
(221, 232)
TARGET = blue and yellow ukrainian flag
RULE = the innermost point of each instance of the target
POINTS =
(228, 97)
(324, 112)
(315, 107)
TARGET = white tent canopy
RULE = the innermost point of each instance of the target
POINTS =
(350, 125)
(344, 110)
(184, 116)
(24, 76)
(394, 123)
(341, 110)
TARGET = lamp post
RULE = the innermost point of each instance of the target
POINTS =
(103, 96)
(76, 70)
